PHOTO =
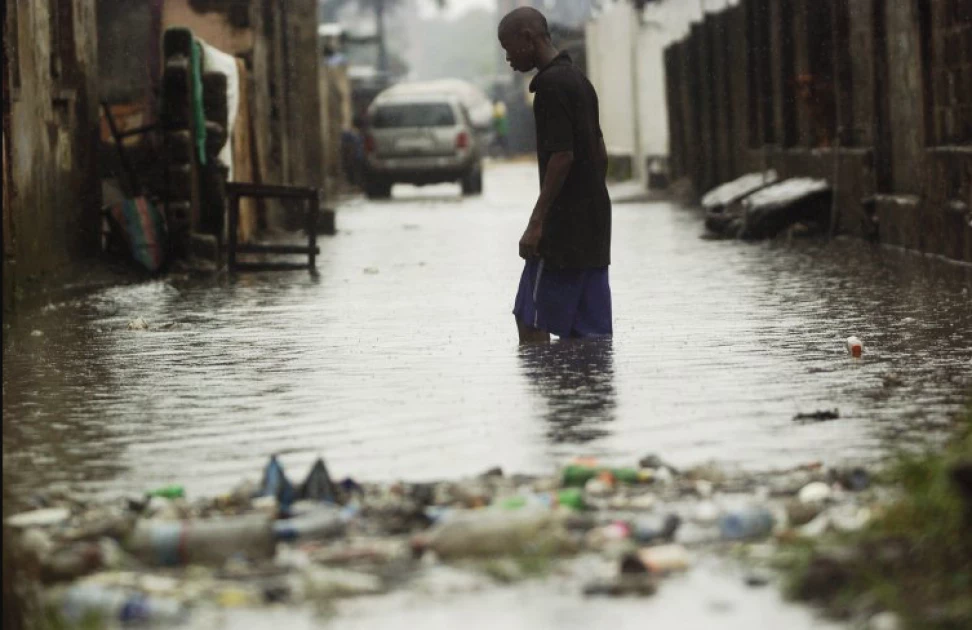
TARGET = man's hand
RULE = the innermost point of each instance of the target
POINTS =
(530, 241)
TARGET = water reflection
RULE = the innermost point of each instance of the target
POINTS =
(575, 378)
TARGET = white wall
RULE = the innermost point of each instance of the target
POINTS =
(609, 54)
(609, 69)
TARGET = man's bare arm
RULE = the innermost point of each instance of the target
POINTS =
(557, 169)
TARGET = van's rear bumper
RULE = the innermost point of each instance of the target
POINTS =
(419, 170)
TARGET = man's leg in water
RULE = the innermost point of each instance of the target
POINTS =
(528, 334)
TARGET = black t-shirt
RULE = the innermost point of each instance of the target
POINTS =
(577, 229)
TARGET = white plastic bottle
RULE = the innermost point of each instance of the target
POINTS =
(203, 541)
(115, 604)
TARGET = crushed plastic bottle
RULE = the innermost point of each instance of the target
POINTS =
(115, 604)
(495, 532)
(203, 541)
(746, 523)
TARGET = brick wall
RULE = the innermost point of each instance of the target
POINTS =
(772, 82)
(951, 71)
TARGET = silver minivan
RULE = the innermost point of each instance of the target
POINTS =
(420, 139)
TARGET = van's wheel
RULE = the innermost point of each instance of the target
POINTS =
(377, 188)
(472, 182)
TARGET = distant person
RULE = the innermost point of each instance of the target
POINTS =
(564, 287)
(501, 126)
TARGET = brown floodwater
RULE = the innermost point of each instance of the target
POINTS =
(399, 359)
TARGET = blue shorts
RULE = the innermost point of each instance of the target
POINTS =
(565, 302)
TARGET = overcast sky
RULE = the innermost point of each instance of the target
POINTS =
(456, 7)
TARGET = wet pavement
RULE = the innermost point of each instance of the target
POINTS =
(399, 360)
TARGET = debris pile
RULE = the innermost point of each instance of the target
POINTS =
(160, 556)
(758, 206)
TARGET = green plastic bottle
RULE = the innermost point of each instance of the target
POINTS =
(168, 492)
(572, 498)
(513, 503)
(577, 475)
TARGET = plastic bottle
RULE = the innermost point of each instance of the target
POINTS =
(572, 498)
(495, 532)
(577, 475)
(168, 492)
(73, 561)
(749, 522)
(648, 529)
(114, 604)
(855, 346)
(321, 523)
(205, 541)
(664, 558)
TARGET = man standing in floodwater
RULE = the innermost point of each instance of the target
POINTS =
(564, 287)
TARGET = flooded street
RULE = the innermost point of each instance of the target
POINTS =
(399, 360)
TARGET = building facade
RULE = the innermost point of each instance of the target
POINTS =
(51, 190)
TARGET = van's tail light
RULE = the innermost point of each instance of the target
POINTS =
(462, 140)
(369, 144)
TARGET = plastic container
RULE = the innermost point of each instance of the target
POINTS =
(748, 522)
(855, 346)
(206, 541)
(114, 604)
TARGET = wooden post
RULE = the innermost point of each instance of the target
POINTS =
(315, 203)
(234, 220)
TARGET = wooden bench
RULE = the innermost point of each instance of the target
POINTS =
(236, 190)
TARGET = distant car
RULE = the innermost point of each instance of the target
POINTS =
(421, 138)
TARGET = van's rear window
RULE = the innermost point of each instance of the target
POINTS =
(413, 115)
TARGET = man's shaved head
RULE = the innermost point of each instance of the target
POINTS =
(525, 37)
(521, 19)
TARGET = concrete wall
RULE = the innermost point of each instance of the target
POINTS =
(610, 73)
(631, 83)
(893, 77)
(51, 210)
